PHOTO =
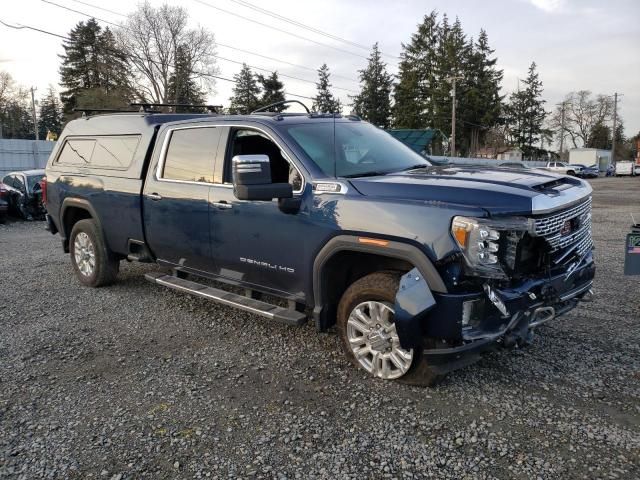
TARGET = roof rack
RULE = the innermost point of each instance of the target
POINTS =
(277, 104)
(88, 111)
(149, 107)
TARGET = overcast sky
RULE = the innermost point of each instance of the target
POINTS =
(590, 44)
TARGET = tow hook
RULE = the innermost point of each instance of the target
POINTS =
(589, 296)
(542, 315)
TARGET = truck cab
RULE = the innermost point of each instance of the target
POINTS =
(419, 268)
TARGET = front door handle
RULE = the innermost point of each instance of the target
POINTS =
(222, 205)
(154, 196)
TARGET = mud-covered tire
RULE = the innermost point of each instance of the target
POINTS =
(380, 287)
(86, 237)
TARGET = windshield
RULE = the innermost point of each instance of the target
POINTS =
(359, 149)
(33, 180)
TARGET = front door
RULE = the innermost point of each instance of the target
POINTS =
(176, 198)
(255, 242)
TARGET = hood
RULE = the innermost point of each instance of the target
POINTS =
(497, 190)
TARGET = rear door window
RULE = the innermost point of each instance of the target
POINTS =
(8, 181)
(191, 154)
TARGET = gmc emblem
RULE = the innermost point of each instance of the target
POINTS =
(566, 228)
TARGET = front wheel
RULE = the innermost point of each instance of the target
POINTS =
(93, 263)
(571, 173)
(368, 334)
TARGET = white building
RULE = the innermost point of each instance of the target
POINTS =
(591, 156)
(500, 153)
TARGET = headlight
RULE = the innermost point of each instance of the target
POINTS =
(479, 238)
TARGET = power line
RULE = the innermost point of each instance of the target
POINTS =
(273, 59)
(280, 74)
(279, 29)
(99, 8)
(213, 55)
(204, 74)
(307, 27)
(297, 65)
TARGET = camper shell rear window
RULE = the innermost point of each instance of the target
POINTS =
(110, 152)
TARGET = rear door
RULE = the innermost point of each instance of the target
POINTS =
(176, 197)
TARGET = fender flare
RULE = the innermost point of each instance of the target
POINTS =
(392, 249)
(77, 203)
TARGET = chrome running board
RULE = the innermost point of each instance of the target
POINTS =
(267, 310)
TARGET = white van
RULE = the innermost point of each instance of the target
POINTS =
(624, 168)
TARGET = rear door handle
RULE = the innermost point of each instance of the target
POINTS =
(222, 205)
(154, 196)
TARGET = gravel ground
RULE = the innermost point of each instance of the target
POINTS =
(136, 381)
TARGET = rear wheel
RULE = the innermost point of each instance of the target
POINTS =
(94, 264)
(368, 333)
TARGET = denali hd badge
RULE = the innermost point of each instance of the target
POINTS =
(268, 265)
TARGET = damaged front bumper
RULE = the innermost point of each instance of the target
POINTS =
(479, 321)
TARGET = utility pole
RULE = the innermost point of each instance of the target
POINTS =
(33, 112)
(563, 104)
(615, 122)
(453, 79)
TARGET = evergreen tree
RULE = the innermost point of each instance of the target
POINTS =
(452, 61)
(245, 93)
(599, 137)
(413, 94)
(325, 102)
(50, 117)
(16, 116)
(373, 103)
(482, 98)
(526, 114)
(183, 88)
(93, 67)
(272, 92)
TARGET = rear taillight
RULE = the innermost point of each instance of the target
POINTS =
(43, 185)
(3, 191)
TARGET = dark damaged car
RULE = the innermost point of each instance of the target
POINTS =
(419, 268)
(23, 193)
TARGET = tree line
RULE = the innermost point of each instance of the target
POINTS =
(154, 56)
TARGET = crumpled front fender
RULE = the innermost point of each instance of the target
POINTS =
(413, 300)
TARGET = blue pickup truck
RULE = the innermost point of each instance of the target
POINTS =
(419, 268)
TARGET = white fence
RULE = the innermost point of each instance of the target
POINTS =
(23, 154)
(483, 161)
(28, 154)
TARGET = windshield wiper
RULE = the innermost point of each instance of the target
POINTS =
(366, 174)
(415, 167)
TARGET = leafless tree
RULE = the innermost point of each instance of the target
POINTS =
(7, 85)
(581, 113)
(152, 36)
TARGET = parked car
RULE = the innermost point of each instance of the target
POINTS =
(624, 168)
(592, 171)
(636, 169)
(562, 168)
(4, 204)
(25, 193)
(420, 268)
(516, 165)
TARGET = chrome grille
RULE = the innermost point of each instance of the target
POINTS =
(553, 223)
(578, 241)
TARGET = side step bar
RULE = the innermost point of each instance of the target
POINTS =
(273, 312)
